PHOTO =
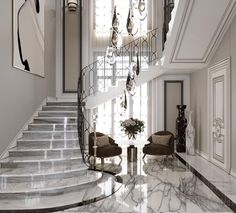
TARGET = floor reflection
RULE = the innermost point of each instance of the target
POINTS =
(156, 184)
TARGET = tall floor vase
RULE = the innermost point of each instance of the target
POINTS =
(190, 135)
(181, 124)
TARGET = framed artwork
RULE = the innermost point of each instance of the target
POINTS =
(28, 35)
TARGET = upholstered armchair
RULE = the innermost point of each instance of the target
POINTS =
(157, 148)
(109, 150)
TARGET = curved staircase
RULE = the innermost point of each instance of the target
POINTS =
(45, 170)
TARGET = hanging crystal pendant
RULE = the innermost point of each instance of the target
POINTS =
(130, 85)
(116, 39)
(141, 6)
(122, 107)
(115, 22)
(110, 55)
(138, 65)
(134, 68)
(130, 26)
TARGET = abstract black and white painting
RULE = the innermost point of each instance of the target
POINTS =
(28, 35)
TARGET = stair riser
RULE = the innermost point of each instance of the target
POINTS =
(61, 104)
(44, 177)
(58, 108)
(48, 153)
(41, 165)
(54, 121)
(48, 144)
(52, 127)
(54, 114)
(55, 135)
(53, 192)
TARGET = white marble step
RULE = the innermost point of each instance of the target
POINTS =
(54, 120)
(16, 175)
(52, 127)
(61, 103)
(47, 144)
(57, 114)
(40, 161)
(59, 108)
(48, 187)
(94, 192)
(50, 135)
(56, 152)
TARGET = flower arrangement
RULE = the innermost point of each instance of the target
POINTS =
(132, 127)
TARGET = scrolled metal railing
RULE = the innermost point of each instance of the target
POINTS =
(93, 78)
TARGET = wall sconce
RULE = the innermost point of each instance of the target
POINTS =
(72, 5)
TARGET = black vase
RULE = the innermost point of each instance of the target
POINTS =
(181, 124)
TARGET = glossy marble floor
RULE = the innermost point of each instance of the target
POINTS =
(156, 185)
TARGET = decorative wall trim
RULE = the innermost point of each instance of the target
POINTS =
(165, 88)
(176, 49)
(160, 89)
(222, 68)
(218, 34)
(59, 54)
(19, 134)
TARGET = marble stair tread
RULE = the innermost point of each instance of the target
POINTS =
(49, 185)
(45, 139)
(61, 103)
(50, 134)
(57, 114)
(39, 158)
(34, 171)
(52, 127)
(59, 108)
(47, 143)
(94, 192)
(22, 149)
(54, 120)
(19, 151)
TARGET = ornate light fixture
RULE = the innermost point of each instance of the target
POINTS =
(131, 25)
(122, 106)
(141, 6)
(72, 5)
(110, 55)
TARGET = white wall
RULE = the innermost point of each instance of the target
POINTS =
(156, 103)
(226, 49)
(21, 92)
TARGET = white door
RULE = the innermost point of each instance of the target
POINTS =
(219, 114)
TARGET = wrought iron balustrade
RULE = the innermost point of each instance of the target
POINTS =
(99, 75)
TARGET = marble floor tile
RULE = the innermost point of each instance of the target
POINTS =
(156, 185)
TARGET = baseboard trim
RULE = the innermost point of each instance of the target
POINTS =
(19, 134)
(202, 154)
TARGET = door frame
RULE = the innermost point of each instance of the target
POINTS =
(224, 68)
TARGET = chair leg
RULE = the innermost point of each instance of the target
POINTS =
(120, 159)
(102, 162)
(144, 156)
